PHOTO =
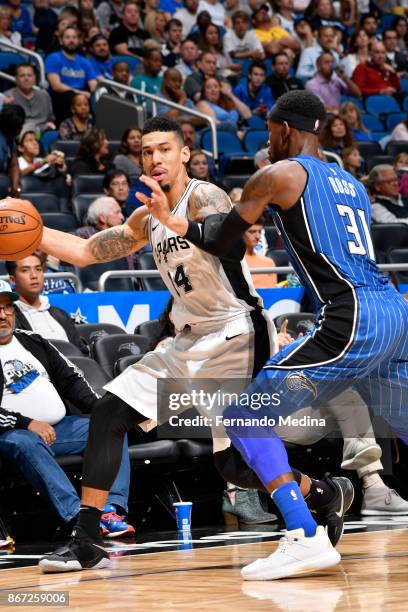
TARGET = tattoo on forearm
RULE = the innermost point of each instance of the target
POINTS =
(206, 196)
(111, 244)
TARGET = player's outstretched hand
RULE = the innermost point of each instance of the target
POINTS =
(157, 203)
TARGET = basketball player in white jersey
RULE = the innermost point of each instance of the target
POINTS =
(221, 332)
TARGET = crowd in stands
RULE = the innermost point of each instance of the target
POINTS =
(228, 60)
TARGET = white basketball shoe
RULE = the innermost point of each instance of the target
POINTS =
(296, 555)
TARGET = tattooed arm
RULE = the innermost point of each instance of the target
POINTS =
(107, 245)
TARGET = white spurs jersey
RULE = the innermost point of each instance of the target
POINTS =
(205, 288)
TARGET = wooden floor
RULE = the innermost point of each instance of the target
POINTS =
(373, 577)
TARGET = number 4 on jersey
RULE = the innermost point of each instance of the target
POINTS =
(182, 280)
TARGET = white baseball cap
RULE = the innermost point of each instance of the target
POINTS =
(5, 289)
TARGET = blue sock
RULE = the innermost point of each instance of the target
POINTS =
(293, 508)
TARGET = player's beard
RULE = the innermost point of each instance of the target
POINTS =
(166, 188)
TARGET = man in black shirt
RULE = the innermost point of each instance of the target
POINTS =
(279, 81)
(128, 37)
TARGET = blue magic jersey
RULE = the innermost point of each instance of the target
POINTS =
(327, 232)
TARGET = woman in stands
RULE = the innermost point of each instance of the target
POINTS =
(400, 26)
(30, 161)
(357, 52)
(336, 135)
(210, 40)
(155, 24)
(218, 101)
(400, 132)
(351, 115)
(92, 156)
(80, 121)
(353, 161)
(6, 34)
(128, 157)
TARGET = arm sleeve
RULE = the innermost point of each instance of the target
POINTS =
(219, 235)
(12, 420)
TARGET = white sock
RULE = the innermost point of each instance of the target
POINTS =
(373, 480)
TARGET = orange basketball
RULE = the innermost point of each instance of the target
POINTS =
(21, 228)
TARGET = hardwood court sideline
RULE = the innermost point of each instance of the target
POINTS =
(373, 576)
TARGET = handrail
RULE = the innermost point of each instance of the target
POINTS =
(7, 77)
(336, 157)
(24, 51)
(70, 275)
(180, 107)
(403, 267)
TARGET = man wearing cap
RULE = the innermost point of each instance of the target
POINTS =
(36, 381)
(100, 58)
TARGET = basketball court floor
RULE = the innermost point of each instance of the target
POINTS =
(201, 571)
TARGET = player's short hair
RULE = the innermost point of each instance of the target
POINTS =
(303, 103)
(162, 124)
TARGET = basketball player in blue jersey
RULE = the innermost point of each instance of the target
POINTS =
(360, 336)
(221, 329)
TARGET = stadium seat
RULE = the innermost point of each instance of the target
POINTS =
(394, 119)
(124, 362)
(81, 203)
(48, 139)
(93, 373)
(89, 276)
(146, 262)
(382, 105)
(399, 256)
(108, 349)
(253, 139)
(369, 149)
(379, 159)
(4, 185)
(230, 181)
(256, 123)
(388, 236)
(66, 348)
(372, 123)
(396, 146)
(271, 235)
(87, 183)
(404, 84)
(8, 59)
(60, 221)
(405, 105)
(68, 147)
(113, 147)
(90, 332)
(386, 21)
(33, 184)
(298, 323)
(279, 256)
(378, 136)
(195, 450)
(357, 101)
(44, 202)
(150, 329)
(237, 165)
(228, 143)
(154, 453)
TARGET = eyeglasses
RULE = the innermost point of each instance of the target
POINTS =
(8, 309)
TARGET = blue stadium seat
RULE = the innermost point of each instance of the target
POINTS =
(372, 123)
(228, 143)
(253, 138)
(256, 123)
(382, 105)
(378, 136)
(47, 139)
(386, 21)
(405, 105)
(8, 59)
(357, 101)
(394, 119)
(404, 84)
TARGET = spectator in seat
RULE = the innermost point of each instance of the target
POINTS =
(351, 115)
(187, 63)
(216, 10)
(240, 42)
(207, 67)
(33, 311)
(280, 80)
(120, 74)
(128, 158)
(321, 13)
(254, 259)
(150, 80)
(357, 52)
(172, 89)
(12, 118)
(253, 91)
(286, 15)
(128, 38)
(80, 121)
(187, 14)
(68, 73)
(352, 161)
(376, 77)
(336, 135)
(38, 382)
(388, 205)
(110, 13)
(218, 102)
(272, 36)
(45, 21)
(189, 134)
(400, 26)
(400, 132)
(370, 25)
(304, 33)
(93, 152)
(155, 24)
(104, 212)
(6, 33)
(35, 102)
(328, 85)
(325, 42)
(116, 185)
(172, 48)
(100, 58)
(197, 166)
(30, 161)
(211, 40)
(393, 57)
(21, 19)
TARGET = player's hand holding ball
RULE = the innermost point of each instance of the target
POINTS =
(157, 203)
(21, 228)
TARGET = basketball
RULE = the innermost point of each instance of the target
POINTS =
(21, 228)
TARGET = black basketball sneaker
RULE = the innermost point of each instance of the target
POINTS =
(332, 514)
(80, 553)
